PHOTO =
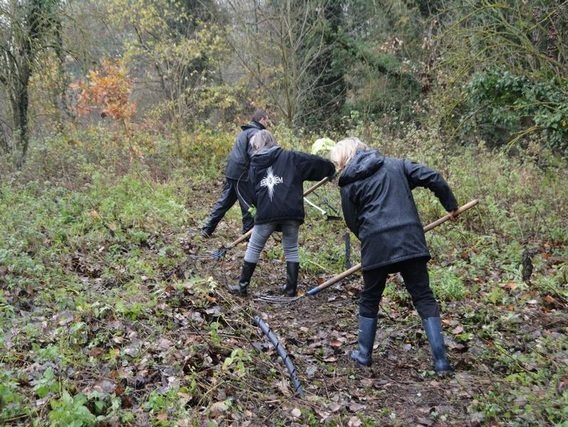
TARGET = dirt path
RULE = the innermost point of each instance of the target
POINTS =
(319, 331)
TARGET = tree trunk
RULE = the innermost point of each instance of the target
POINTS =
(21, 120)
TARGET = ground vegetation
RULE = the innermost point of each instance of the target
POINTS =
(113, 311)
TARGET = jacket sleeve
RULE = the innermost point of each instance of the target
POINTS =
(253, 185)
(424, 176)
(350, 212)
(312, 167)
(239, 156)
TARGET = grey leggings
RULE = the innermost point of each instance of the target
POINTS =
(261, 233)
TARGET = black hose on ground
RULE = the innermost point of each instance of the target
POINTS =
(283, 355)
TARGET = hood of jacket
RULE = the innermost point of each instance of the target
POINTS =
(266, 157)
(362, 165)
(252, 125)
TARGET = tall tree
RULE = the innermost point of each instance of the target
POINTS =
(27, 29)
(279, 44)
(321, 107)
(382, 43)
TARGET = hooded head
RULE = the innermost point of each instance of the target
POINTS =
(263, 139)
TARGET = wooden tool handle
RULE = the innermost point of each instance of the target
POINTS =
(357, 267)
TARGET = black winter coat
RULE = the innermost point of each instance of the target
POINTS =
(278, 176)
(378, 206)
(237, 167)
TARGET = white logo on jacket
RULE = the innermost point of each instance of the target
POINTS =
(271, 181)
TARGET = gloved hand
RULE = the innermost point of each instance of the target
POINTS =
(331, 177)
(252, 211)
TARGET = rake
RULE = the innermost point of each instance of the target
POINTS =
(323, 212)
(286, 300)
(219, 253)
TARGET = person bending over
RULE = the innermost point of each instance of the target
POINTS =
(379, 208)
(277, 177)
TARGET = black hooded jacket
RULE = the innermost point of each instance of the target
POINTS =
(278, 176)
(378, 206)
(239, 158)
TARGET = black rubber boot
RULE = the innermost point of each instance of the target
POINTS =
(209, 227)
(292, 270)
(367, 330)
(433, 328)
(246, 273)
(206, 232)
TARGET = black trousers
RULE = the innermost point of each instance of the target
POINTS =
(233, 190)
(417, 282)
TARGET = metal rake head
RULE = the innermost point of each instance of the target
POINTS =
(219, 253)
(277, 299)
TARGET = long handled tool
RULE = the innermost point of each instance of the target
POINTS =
(355, 268)
(223, 250)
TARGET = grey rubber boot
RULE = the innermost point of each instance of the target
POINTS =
(367, 330)
(433, 328)
(246, 273)
(292, 270)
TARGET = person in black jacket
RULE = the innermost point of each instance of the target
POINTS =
(236, 177)
(378, 206)
(277, 176)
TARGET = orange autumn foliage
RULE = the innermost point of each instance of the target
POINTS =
(107, 89)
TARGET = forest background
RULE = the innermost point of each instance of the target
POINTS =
(116, 118)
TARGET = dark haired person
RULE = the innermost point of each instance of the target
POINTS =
(378, 206)
(236, 177)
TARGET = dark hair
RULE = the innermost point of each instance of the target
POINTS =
(259, 115)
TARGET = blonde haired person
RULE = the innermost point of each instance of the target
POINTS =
(378, 207)
(344, 151)
(277, 177)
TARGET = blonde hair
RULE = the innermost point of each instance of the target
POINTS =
(262, 139)
(344, 151)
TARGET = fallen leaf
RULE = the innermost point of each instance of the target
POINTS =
(284, 387)
(356, 407)
(509, 285)
(552, 301)
(354, 422)
(336, 407)
(105, 386)
(96, 351)
(217, 408)
(164, 344)
(457, 330)
(94, 214)
(335, 343)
